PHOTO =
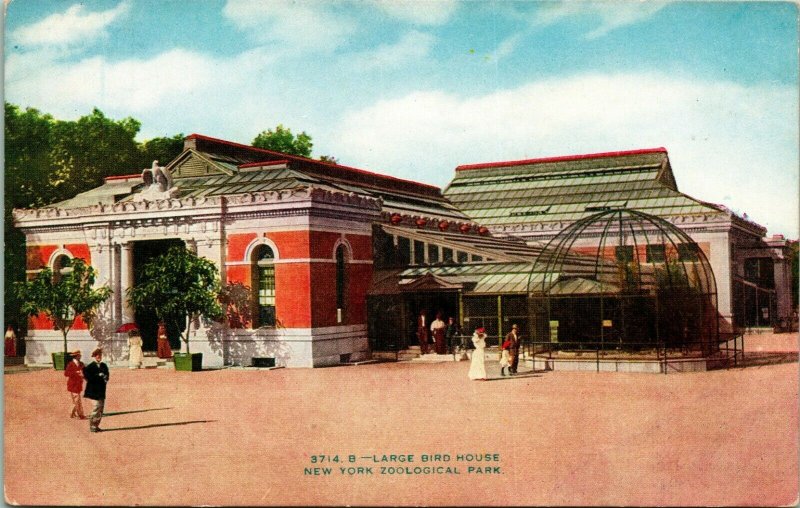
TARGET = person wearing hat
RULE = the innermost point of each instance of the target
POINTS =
(74, 374)
(96, 375)
(504, 357)
(135, 355)
(477, 368)
(513, 350)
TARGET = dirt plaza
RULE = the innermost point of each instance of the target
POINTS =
(412, 434)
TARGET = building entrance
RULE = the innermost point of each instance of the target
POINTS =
(146, 320)
(444, 303)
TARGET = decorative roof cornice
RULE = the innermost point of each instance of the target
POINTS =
(31, 217)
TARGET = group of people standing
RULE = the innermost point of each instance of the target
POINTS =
(96, 376)
(436, 335)
(509, 356)
(135, 354)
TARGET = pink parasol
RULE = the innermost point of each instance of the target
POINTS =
(127, 327)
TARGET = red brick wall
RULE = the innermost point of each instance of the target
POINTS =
(292, 291)
(237, 246)
(306, 291)
(37, 257)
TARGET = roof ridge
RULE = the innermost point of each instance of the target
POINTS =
(309, 160)
(561, 158)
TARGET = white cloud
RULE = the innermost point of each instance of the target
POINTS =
(176, 80)
(607, 15)
(412, 47)
(71, 27)
(302, 24)
(728, 143)
(420, 12)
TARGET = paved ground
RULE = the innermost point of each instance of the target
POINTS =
(247, 437)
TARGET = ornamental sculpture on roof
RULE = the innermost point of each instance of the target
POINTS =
(157, 184)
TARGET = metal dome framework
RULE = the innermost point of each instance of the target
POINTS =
(624, 279)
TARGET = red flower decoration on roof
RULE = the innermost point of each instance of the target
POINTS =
(443, 225)
(421, 223)
(483, 230)
(465, 228)
(396, 218)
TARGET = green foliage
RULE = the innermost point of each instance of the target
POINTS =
(89, 149)
(329, 159)
(64, 297)
(177, 286)
(282, 140)
(49, 160)
(162, 150)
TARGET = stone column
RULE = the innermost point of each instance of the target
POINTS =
(125, 281)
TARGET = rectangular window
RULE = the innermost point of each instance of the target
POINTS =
(624, 253)
(461, 256)
(687, 252)
(476, 258)
(515, 312)
(433, 254)
(266, 295)
(403, 251)
(760, 271)
(447, 255)
(419, 252)
(656, 253)
(481, 311)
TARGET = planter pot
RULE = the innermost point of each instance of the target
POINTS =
(60, 360)
(188, 362)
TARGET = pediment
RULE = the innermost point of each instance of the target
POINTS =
(430, 282)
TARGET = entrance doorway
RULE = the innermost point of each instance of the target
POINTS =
(444, 302)
(146, 320)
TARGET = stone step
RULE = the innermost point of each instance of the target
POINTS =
(154, 362)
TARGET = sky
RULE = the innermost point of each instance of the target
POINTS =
(414, 88)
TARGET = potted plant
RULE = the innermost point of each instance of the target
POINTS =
(63, 299)
(179, 287)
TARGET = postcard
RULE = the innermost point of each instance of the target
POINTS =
(401, 253)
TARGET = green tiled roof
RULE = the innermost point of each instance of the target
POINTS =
(213, 167)
(566, 189)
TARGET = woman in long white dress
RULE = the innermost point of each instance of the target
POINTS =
(477, 369)
(135, 344)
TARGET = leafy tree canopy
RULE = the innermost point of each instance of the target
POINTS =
(282, 140)
(63, 297)
(49, 160)
(177, 286)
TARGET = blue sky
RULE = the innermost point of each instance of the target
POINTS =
(415, 88)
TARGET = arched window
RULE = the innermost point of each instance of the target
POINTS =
(341, 285)
(61, 266)
(264, 286)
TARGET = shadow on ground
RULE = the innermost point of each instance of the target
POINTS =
(115, 413)
(154, 425)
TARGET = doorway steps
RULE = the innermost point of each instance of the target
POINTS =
(151, 360)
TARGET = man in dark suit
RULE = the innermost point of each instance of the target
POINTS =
(96, 375)
(513, 350)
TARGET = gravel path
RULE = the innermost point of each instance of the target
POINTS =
(246, 437)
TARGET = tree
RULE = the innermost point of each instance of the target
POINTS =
(178, 286)
(282, 140)
(160, 149)
(27, 166)
(93, 147)
(49, 160)
(329, 158)
(63, 297)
